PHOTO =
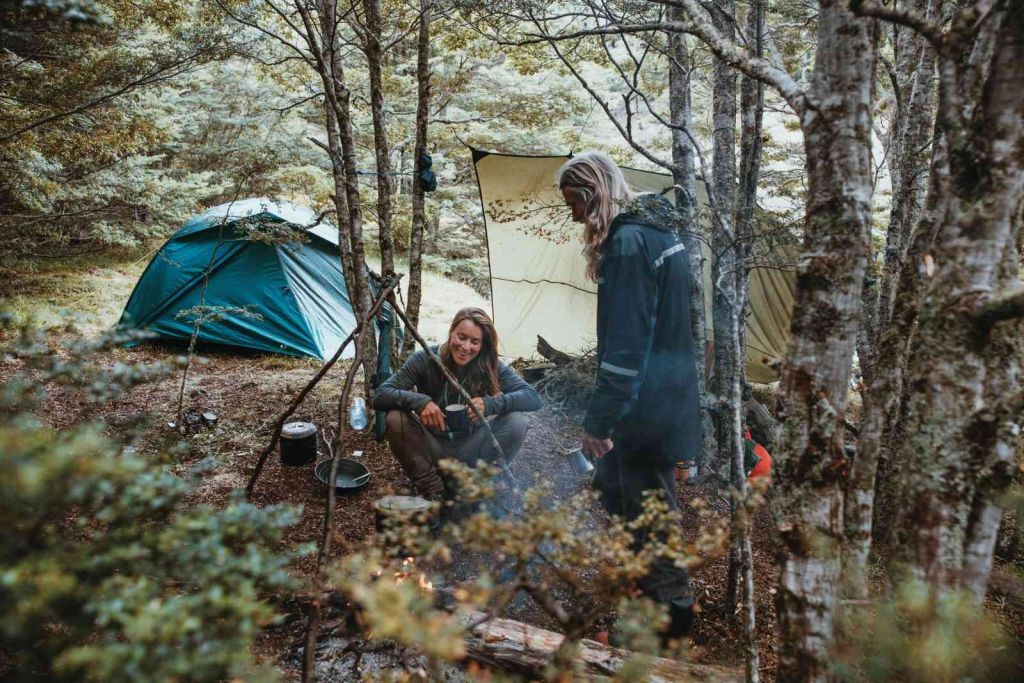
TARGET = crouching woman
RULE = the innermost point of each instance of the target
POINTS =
(416, 396)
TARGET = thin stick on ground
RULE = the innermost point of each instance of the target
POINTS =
(200, 312)
(502, 463)
(335, 448)
(386, 288)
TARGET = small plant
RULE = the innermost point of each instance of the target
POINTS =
(576, 569)
(922, 634)
(105, 574)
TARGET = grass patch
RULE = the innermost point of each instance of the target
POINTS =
(89, 291)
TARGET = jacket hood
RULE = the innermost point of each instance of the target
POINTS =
(651, 210)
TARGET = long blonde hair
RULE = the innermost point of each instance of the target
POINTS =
(596, 178)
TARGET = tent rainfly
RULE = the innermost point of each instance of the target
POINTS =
(538, 275)
(278, 295)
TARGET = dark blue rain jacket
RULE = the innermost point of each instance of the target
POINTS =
(646, 395)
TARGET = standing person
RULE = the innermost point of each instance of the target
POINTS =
(416, 396)
(644, 416)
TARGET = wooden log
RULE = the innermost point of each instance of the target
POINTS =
(551, 353)
(514, 646)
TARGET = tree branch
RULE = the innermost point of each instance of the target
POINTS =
(904, 17)
(624, 132)
(729, 52)
(1007, 306)
(385, 290)
(163, 73)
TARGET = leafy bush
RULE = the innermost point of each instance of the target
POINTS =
(577, 569)
(105, 573)
(923, 633)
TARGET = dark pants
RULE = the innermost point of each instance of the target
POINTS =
(621, 478)
(419, 450)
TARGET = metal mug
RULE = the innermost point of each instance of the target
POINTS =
(580, 463)
(456, 418)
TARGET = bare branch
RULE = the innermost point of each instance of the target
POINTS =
(163, 73)
(265, 31)
(298, 103)
(728, 51)
(382, 295)
(1007, 306)
(904, 17)
(626, 134)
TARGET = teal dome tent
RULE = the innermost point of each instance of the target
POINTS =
(275, 282)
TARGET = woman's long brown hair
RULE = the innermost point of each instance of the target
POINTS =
(480, 377)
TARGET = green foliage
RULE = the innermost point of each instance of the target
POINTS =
(924, 634)
(575, 570)
(116, 131)
(212, 314)
(106, 572)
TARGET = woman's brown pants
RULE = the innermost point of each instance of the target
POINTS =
(419, 450)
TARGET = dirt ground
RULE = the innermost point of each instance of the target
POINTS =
(248, 393)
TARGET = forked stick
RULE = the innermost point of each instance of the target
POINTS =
(385, 291)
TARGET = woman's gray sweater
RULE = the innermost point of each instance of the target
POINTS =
(419, 381)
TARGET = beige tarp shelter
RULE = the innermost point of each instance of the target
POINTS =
(538, 278)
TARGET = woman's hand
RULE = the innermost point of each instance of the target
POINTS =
(479, 403)
(595, 447)
(432, 416)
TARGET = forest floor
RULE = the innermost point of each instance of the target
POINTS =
(249, 391)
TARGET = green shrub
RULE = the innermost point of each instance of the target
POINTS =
(106, 574)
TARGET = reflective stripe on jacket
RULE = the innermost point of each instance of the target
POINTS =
(646, 396)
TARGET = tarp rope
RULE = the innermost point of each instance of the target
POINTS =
(579, 133)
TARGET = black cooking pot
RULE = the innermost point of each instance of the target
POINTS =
(352, 475)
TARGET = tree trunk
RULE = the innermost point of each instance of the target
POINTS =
(883, 357)
(412, 308)
(725, 295)
(684, 176)
(334, 90)
(965, 377)
(382, 149)
(751, 117)
(332, 75)
(339, 197)
(811, 458)
(724, 266)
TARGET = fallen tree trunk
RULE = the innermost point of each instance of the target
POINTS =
(514, 646)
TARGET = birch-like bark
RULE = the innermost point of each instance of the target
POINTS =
(381, 147)
(885, 334)
(412, 308)
(811, 458)
(339, 197)
(684, 176)
(751, 119)
(910, 150)
(965, 377)
(724, 266)
(333, 77)
(725, 295)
